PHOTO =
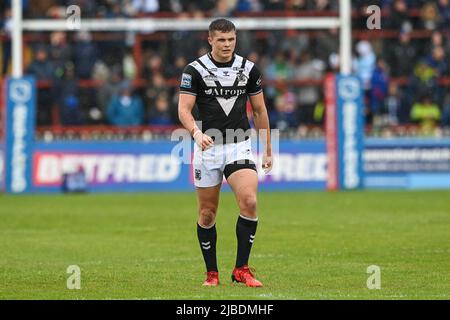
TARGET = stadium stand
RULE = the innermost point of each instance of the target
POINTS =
(404, 66)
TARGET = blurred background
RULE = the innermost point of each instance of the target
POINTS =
(84, 77)
(106, 106)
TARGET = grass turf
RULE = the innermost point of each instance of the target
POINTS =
(312, 245)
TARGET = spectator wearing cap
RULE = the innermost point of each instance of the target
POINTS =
(68, 99)
(402, 56)
(41, 67)
(398, 15)
(59, 52)
(125, 109)
(85, 55)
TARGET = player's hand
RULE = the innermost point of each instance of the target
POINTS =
(203, 140)
(267, 162)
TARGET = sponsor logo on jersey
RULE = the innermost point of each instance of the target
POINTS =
(186, 81)
(225, 93)
(258, 82)
(226, 73)
(211, 77)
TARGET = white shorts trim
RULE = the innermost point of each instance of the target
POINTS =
(208, 165)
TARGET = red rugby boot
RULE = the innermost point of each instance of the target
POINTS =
(212, 279)
(245, 275)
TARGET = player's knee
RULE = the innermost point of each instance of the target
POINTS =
(248, 205)
(207, 216)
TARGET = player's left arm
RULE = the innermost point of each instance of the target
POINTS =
(260, 116)
(262, 126)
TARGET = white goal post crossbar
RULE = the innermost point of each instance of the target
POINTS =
(343, 22)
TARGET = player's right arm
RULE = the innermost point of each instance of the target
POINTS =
(186, 102)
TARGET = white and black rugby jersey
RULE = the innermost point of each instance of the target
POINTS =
(221, 90)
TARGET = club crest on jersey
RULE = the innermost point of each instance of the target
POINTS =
(186, 81)
(241, 77)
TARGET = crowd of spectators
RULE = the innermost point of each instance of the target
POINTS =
(401, 74)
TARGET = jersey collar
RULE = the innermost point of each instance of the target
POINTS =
(222, 64)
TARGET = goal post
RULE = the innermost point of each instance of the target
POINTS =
(173, 24)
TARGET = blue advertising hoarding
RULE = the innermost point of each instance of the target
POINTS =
(30, 166)
(19, 134)
(344, 129)
(350, 131)
(141, 166)
(407, 163)
(299, 165)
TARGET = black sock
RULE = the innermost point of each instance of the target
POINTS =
(245, 232)
(207, 239)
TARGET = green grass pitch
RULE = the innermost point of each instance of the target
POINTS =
(309, 245)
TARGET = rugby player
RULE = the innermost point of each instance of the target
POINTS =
(220, 83)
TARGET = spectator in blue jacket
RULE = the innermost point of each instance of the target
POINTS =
(85, 55)
(125, 109)
(160, 114)
(67, 95)
(42, 68)
(379, 87)
(285, 115)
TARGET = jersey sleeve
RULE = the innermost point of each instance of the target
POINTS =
(189, 81)
(254, 84)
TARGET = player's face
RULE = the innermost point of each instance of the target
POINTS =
(223, 44)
